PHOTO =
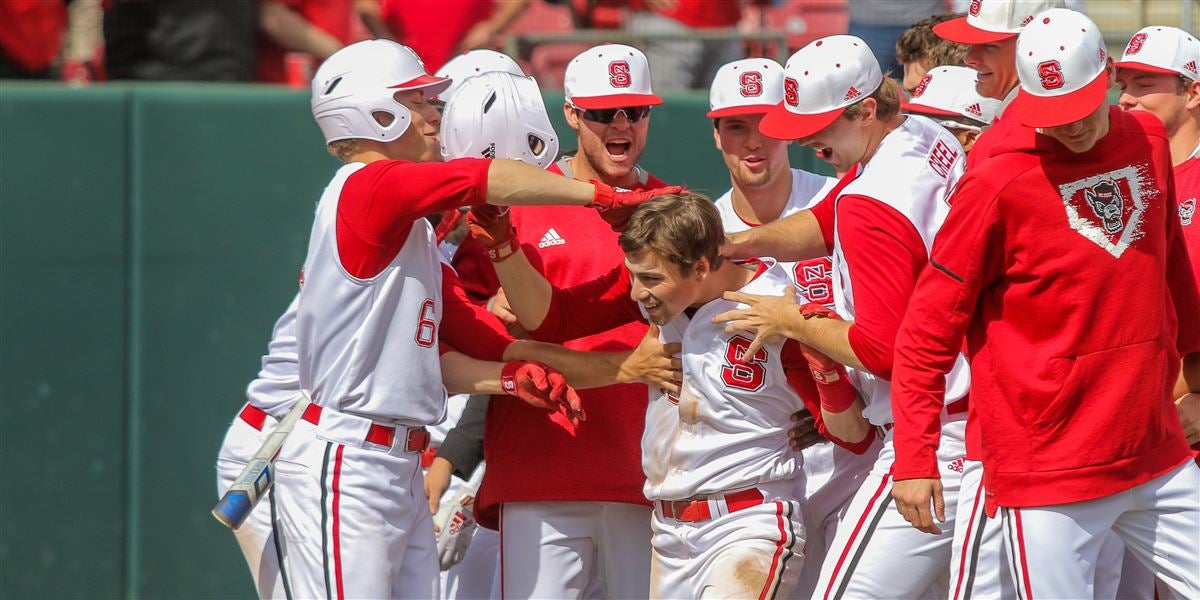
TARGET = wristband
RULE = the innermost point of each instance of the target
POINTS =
(504, 250)
(829, 376)
(837, 395)
(508, 377)
(603, 198)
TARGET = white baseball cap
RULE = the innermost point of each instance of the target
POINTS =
(751, 86)
(609, 76)
(992, 20)
(1062, 63)
(475, 62)
(949, 91)
(819, 81)
(1163, 50)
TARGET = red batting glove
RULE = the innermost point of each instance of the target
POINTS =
(812, 309)
(615, 206)
(492, 226)
(541, 386)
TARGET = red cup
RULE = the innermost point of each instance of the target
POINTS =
(299, 69)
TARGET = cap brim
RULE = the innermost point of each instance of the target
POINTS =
(734, 111)
(615, 101)
(782, 124)
(430, 83)
(1053, 111)
(924, 109)
(1137, 66)
(961, 32)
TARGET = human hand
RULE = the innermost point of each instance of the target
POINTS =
(437, 480)
(1188, 407)
(541, 386)
(803, 432)
(492, 226)
(767, 318)
(615, 206)
(653, 363)
(479, 36)
(498, 305)
(736, 245)
(913, 499)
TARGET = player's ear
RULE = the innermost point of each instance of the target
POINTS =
(1192, 95)
(717, 138)
(702, 268)
(968, 140)
(870, 106)
(571, 115)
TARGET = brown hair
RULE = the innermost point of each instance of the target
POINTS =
(681, 228)
(887, 101)
(919, 43)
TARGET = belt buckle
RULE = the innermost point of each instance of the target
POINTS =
(417, 441)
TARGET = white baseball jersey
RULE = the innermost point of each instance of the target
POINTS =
(369, 346)
(728, 428)
(914, 170)
(277, 386)
(812, 277)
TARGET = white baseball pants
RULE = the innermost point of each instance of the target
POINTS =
(354, 519)
(1054, 550)
(978, 563)
(568, 550)
(255, 537)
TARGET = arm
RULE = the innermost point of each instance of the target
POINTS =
(651, 362)
(291, 30)
(371, 15)
(463, 447)
(967, 257)
(793, 238)
(482, 33)
(835, 405)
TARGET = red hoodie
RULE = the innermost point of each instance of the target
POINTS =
(1067, 274)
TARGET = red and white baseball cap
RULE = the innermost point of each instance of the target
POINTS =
(949, 91)
(609, 76)
(819, 81)
(1062, 63)
(751, 86)
(1164, 50)
(992, 20)
(475, 62)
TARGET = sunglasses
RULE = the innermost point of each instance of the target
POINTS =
(606, 116)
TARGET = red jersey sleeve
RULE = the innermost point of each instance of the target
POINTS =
(885, 255)
(589, 308)
(966, 258)
(1181, 278)
(380, 201)
(799, 375)
(467, 326)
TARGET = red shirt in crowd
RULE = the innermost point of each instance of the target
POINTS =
(32, 32)
(332, 17)
(1067, 273)
(699, 14)
(433, 29)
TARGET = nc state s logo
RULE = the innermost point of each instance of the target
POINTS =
(974, 9)
(618, 74)
(1051, 74)
(791, 92)
(751, 84)
(920, 89)
(1135, 44)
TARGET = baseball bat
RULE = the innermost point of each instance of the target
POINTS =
(259, 474)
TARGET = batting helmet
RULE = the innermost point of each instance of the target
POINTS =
(499, 115)
(475, 62)
(355, 88)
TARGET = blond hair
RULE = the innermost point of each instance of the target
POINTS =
(887, 101)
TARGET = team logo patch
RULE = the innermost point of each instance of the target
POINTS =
(975, 109)
(1187, 210)
(1050, 72)
(489, 152)
(791, 91)
(551, 238)
(920, 89)
(1135, 44)
(975, 6)
(750, 84)
(956, 465)
(852, 93)
(1107, 208)
(1190, 65)
(1027, 20)
(618, 74)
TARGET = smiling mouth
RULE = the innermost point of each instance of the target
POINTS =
(651, 305)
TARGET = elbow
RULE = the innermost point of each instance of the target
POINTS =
(269, 18)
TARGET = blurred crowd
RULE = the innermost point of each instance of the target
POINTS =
(283, 41)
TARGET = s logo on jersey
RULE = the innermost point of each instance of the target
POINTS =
(618, 74)
(1187, 209)
(744, 372)
(1135, 44)
(1107, 208)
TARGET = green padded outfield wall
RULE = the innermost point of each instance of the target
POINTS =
(149, 237)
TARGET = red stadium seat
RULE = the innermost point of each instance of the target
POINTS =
(549, 62)
(803, 22)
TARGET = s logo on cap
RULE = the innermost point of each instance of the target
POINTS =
(751, 84)
(791, 92)
(1135, 44)
(920, 89)
(618, 74)
(974, 9)
(1051, 74)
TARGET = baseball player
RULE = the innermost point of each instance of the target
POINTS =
(990, 32)
(947, 95)
(570, 510)
(764, 189)
(1070, 223)
(918, 50)
(353, 519)
(880, 222)
(716, 455)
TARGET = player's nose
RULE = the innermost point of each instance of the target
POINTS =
(1126, 101)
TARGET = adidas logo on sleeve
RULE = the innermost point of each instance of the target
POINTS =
(551, 239)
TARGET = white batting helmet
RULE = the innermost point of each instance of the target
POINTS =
(360, 81)
(499, 115)
(475, 62)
